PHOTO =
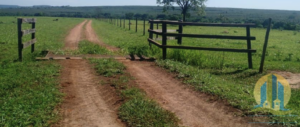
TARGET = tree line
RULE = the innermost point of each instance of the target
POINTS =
(284, 20)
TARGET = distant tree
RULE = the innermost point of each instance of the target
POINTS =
(129, 15)
(38, 14)
(297, 27)
(107, 15)
(62, 15)
(150, 17)
(98, 12)
(137, 15)
(277, 25)
(289, 26)
(161, 16)
(145, 16)
(185, 6)
(174, 17)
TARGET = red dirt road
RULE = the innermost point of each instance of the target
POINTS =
(74, 36)
(191, 107)
(87, 103)
(92, 37)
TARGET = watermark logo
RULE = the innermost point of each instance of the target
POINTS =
(272, 91)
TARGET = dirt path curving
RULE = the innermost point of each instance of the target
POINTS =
(191, 107)
(92, 37)
(74, 36)
(87, 103)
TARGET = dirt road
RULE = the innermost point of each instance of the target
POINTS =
(92, 37)
(74, 36)
(87, 103)
(191, 107)
(86, 106)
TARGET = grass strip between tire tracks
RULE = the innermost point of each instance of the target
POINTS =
(137, 110)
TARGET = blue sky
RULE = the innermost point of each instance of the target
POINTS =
(256, 4)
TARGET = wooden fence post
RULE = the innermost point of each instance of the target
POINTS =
(124, 22)
(144, 26)
(157, 29)
(151, 34)
(20, 45)
(129, 24)
(249, 47)
(179, 38)
(121, 22)
(136, 24)
(261, 68)
(164, 39)
(32, 37)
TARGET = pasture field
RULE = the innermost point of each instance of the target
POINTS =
(223, 74)
(29, 90)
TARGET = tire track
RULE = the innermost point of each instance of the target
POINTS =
(92, 37)
(74, 36)
(86, 102)
(189, 106)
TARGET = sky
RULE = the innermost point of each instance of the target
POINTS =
(251, 4)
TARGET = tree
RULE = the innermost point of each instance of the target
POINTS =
(129, 15)
(107, 15)
(98, 12)
(137, 15)
(145, 16)
(161, 16)
(185, 6)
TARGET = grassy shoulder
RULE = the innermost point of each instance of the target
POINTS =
(29, 94)
(236, 87)
(29, 91)
(137, 110)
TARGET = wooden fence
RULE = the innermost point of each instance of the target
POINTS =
(164, 33)
(118, 22)
(22, 33)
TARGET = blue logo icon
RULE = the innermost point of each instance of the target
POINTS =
(272, 91)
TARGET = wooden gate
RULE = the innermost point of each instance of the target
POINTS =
(22, 33)
(164, 33)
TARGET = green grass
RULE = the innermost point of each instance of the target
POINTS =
(29, 94)
(86, 47)
(128, 41)
(29, 90)
(108, 67)
(223, 74)
(137, 110)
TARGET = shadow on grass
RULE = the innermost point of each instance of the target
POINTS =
(237, 74)
(219, 72)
